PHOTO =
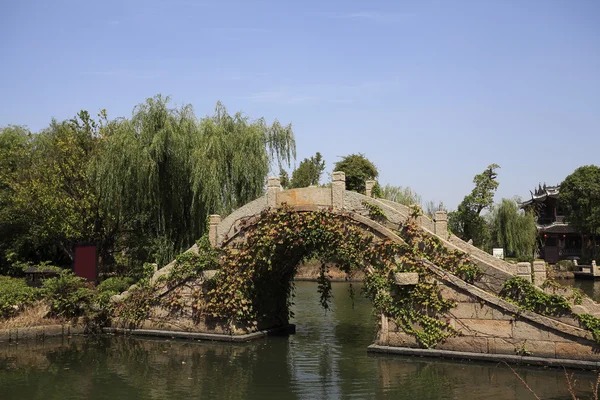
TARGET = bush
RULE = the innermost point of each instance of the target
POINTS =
(565, 265)
(14, 296)
(115, 284)
(68, 295)
(142, 272)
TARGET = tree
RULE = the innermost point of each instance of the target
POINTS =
(284, 178)
(163, 172)
(15, 144)
(513, 229)
(358, 169)
(52, 192)
(140, 188)
(431, 207)
(466, 222)
(402, 195)
(308, 172)
(580, 196)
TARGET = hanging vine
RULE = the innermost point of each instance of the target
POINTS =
(255, 280)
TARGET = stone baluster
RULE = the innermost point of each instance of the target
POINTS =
(539, 272)
(273, 188)
(524, 270)
(213, 222)
(369, 188)
(441, 224)
(338, 188)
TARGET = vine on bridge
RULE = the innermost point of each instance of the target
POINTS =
(254, 285)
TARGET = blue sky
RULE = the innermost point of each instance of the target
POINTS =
(431, 91)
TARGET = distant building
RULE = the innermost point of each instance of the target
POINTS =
(558, 240)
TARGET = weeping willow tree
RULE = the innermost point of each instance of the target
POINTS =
(233, 157)
(514, 229)
(163, 171)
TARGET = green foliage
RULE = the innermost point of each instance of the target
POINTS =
(141, 272)
(115, 285)
(418, 309)
(140, 188)
(189, 265)
(324, 287)
(163, 172)
(527, 296)
(425, 246)
(256, 279)
(233, 156)
(576, 296)
(514, 230)
(580, 196)
(308, 172)
(284, 178)
(415, 211)
(467, 222)
(98, 312)
(358, 169)
(68, 295)
(15, 295)
(49, 201)
(590, 323)
(401, 195)
(14, 145)
(375, 212)
(132, 311)
(565, 265)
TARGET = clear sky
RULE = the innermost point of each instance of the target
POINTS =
(431, 91)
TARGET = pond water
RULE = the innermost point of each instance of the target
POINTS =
(325, 359)
(588, 286)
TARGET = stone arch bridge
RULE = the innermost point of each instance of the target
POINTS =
(488, 326)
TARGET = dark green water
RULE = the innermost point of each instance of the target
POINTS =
(325, 359)
(588, 286)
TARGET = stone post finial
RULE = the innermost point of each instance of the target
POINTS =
(273, 187)
(441, 224)
(524, 270)
(369, 187)
(338, 176)
(273, 181)
(338, 188)
(539, 272)
(213, 222)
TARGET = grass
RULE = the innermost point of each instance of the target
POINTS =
(33, 315)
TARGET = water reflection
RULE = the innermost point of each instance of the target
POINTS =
(589, 286)
(325, 359)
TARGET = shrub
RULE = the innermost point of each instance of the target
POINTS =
(115, 285)
(565, 265)
(142, 272)
(68, 295)
(14, 296)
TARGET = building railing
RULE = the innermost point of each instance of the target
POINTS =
(549, 220)
(570, 252)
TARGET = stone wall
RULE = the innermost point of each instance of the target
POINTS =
(487, 324)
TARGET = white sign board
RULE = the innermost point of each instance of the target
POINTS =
(498, 253)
